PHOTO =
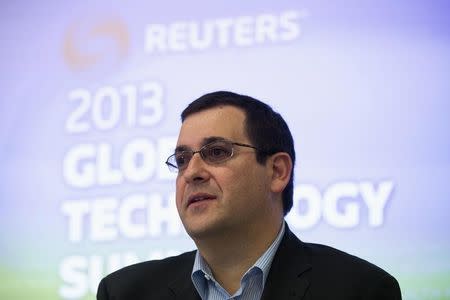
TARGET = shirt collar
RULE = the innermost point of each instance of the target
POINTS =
(201, 270)
(265, 261)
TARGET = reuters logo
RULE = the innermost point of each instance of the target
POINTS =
(105, 42)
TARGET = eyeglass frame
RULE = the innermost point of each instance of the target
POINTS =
(174, 168)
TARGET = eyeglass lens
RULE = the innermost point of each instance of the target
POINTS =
(215, 152)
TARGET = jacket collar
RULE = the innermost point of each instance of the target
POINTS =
(182, 287)
(289, 276)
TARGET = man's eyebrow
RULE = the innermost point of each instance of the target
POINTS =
(212, 139)
(181, 148)
(206, 141)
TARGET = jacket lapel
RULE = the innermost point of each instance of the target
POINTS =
(184, 290)
(290, 274)
(182, 287)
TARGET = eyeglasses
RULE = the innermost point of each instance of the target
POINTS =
(213, 153)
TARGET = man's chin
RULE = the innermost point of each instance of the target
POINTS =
(203, 230)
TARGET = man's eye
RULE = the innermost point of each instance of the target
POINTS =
(218, 152)
(180, 159)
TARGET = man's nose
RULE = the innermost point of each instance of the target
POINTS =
(196, 171)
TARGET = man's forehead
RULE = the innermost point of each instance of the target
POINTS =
(205, 141)
(220, 112)
(224, 122)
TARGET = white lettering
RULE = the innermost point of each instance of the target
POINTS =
(106, 174)
(376, 200)
(81, 275)
(176, 39)
(75, 122)
(223, 34)
(107, 107)
(166, 147)
(103, 219)
(241, 31)
(309, 196)
(290, 25)
(160, 215)
(266, 28)
(77, 171)
(75, 211)
(341, 204)
(151, 100)
(135, 216)
(71, 271)
(128, 212)
(156, 35)
(198, 40)
(138, 160)
(100, 105)
(87, 165)
(348, 215)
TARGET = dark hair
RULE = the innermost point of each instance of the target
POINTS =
(265, 128)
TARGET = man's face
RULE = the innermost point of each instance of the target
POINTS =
(219, 198)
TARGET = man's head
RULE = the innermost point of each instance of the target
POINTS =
(230, 178)
(265, 128)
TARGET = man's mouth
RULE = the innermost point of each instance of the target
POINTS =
(200, 197)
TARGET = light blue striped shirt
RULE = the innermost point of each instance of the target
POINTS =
(252, 283)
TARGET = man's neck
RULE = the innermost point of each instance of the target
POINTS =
(230, 255)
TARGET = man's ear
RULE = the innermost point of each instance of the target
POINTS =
(281, 164)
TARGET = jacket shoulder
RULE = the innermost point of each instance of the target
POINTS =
(339, 270)
(146, 279)
(338, 260)
(332, 272)
(154, 268)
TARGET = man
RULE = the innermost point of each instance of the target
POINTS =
(234, 158)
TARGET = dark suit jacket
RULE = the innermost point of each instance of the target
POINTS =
(299, 271)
